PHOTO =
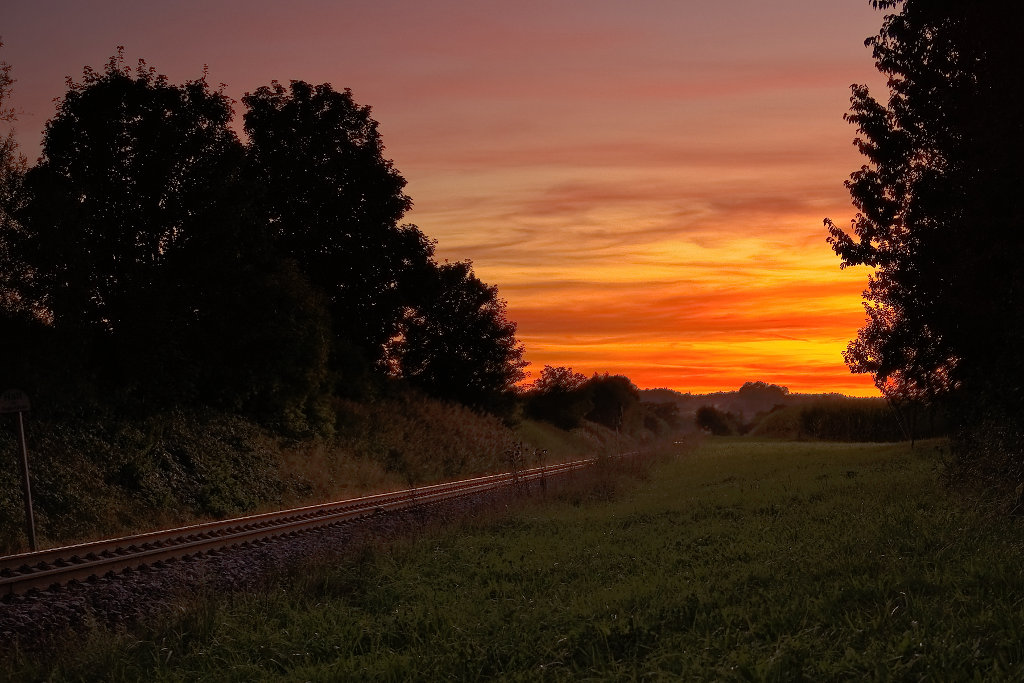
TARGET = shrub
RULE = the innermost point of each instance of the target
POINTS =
(717, 422)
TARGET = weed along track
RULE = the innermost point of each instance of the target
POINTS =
(56, 567)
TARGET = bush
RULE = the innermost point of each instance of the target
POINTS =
(851, 419)
(98, 477)
(717, 422)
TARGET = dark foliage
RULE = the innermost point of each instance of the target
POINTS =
(94, 473)
(764, 392)
(940, 213)
(332, 202)
(718, 422)
(559, 396)
(150, 256)
(850, 420)
(132, 170)
(266, 346)
(661, 417)
(566, 399)
(141, 270)
(161, 284)
(613, 398)
(457, 342)
(12, 171)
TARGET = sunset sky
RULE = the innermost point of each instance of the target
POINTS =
(644, 181)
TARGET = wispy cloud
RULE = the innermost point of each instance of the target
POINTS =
(644, 181)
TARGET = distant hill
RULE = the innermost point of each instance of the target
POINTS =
(769, 410)
(747, 402)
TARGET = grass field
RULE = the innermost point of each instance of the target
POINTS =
(738, 560)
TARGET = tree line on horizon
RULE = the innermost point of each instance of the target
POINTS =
(567, 399)
(151, 254)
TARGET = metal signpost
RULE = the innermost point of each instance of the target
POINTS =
(15, 401)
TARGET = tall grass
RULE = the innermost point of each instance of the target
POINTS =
(108, 475)
(105, 475)
(743, 560)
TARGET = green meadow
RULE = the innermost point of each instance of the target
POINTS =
(731, 560)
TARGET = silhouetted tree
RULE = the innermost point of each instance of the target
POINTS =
(940, 208)
(12, 163)
(151, 248)
(559, 396)
(22, 336)
(265, 345)
(613, 397)
(764, 391)
(558, 380)
(131, 167)
(12, 170)
(661, 417)
(458, 343)
(758, 397)
(333, 203)
(142, 256)
(717, 422)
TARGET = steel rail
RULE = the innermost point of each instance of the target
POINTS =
(57, 566)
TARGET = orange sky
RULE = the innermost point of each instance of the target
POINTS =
(645, 181)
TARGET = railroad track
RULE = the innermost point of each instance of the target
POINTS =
(45, 568)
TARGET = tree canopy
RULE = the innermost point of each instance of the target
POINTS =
(12, 169)
(457, 342)
(160, 257)
(559, 396)
(939, 204)
(132, 170)
(612, 397)
(332, 202)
